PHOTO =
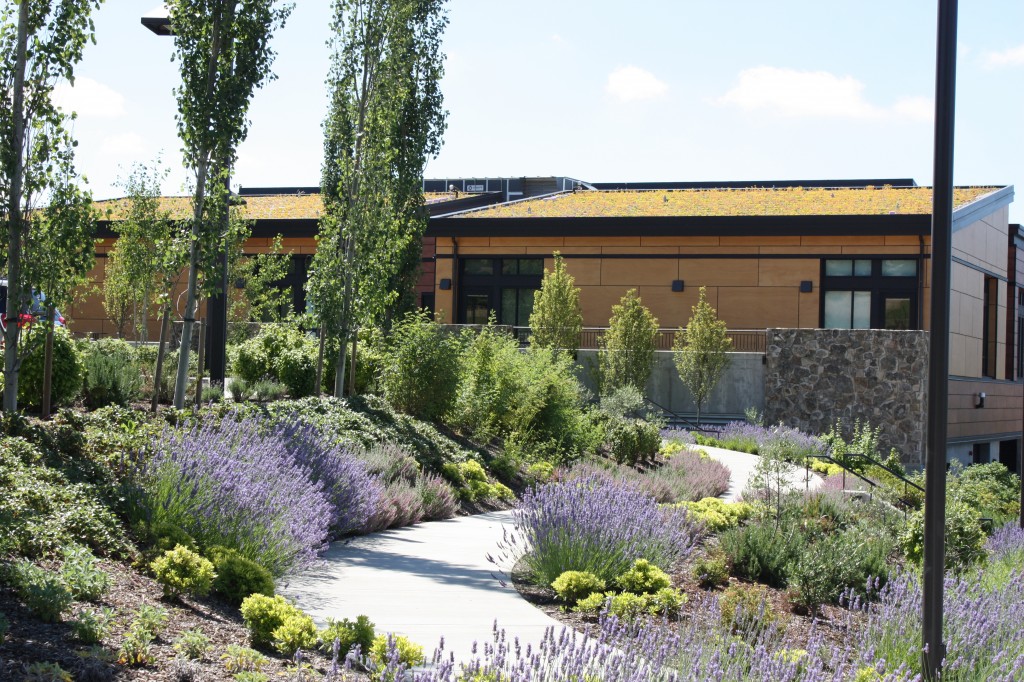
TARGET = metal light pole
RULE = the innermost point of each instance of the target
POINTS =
(217, 304)
(938, 362)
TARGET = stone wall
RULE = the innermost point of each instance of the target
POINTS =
(815, 376)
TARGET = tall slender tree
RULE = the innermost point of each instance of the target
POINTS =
(32, 134)
(700, 351)
(627, 347)
(557, 318)
(386, 119)
(223, 49)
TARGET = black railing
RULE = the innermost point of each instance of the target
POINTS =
(743, 340)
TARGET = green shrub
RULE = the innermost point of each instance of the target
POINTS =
(239, 659)
(297, 631)
(282, 354)
(763, 552)
(268, 391)
(668, 602)
(573, 586)
(151, 619)
(111, 373)
(992, 490)
(643, 578)
(628, 606)
(717, 515)
(712, 570)
(82, 575)
(627, 347)
(212, 394)
(46, 672)
(165, 536)
(746, 611)
(180, 570)
(409, 653)
(348, 634)
(136, 648)
(43, 592)
(238, 576)
(593, 604)
(192, 644)
(251, 676)
(263, 615)
(91, 626)
(422, 371)
(965, 540)
(66, 381)
(631, 441)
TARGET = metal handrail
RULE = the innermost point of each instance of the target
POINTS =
(680, 418)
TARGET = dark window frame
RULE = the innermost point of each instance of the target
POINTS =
(881, 287)
(470, 284)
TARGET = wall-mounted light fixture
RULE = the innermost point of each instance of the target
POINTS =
(979, 399)
(678, 285)
(806, 286)
(446, 284)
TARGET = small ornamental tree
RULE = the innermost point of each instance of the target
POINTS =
(700, 351)
(627, 348)
(557, 319)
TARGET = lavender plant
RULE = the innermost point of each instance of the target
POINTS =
(597, 525)
(272, 491)
(692, 476)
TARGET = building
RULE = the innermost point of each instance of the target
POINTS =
(841, 255)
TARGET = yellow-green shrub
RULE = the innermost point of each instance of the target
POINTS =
(264, 615)
(717, 515)
(572, 586)
(182, 570)
(643, 578)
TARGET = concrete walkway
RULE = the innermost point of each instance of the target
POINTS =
(425, 582)
(741, 467)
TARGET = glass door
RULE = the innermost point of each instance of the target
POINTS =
(475, 305)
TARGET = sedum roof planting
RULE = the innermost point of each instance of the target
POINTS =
(790, 201)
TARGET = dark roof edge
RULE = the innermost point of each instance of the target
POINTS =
(981, 207)
(759, 184)
(682, 226)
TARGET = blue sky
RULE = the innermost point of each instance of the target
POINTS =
(604, 91)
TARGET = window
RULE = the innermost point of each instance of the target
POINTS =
(502, 286)
(1020, 333)
(869, 293)
(990, 319)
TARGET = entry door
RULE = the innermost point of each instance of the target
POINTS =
(475, 304)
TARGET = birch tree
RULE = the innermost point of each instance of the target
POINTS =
(385, 120)
(223, 50)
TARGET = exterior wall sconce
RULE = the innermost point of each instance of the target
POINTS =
(979, 399)
(446, 284)
(677, 285)
(806, 286)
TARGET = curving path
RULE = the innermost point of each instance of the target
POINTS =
(741, 467)
(433, 580)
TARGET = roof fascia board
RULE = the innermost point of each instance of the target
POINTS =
(982, 207)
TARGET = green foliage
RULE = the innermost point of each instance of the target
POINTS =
(238, 576)
(67, 367)
(262, 298)
(212, 394)
(712, 570)
(43, 592)
(632, 441)
(717, 515)
(90, 626)
(46, 672)
(746, 611)
(81, 573)
(110, 372)
(136, 648)
(992, 490)
(965, 540)
(628, 606)
(297, 631)
(421, 375)
(263, 615)
(348, 634)
(762, 551)
(668, 601)
(180, 570)
(239, 659)
(151, 619)
(643, 578)
(192, 644)
(473, 485)
(572, 586)
(627, 347)
(557, 318)
(594, 603)
(409, 653)
(251, 676)
(700, 351)
(281, 353)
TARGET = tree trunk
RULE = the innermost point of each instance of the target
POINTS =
(200, 361)
(165, 323)
(16, 226)
(352, 369)
(48, 363)
(318, 389)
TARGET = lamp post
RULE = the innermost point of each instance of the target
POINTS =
(934, 650)
(216, 305)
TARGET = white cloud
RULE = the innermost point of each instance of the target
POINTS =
(129, 145)
(1013, 56)
(815, 94)
(631, 83)
(89, 98)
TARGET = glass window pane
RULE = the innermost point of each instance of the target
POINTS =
(862, 310)
(510, 266)
(899, 268)
(837, 309)
(897, 313)
(862, 268)
(508, 307)
(838, 268)
(478, 266)
(531, 266)
(477, 308)
(525, 307)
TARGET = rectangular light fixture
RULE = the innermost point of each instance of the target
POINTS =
(446, 284)
(677, 285)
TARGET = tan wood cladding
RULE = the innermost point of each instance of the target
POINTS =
(1001, 414)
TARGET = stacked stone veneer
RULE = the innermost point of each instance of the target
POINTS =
(815, 376)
